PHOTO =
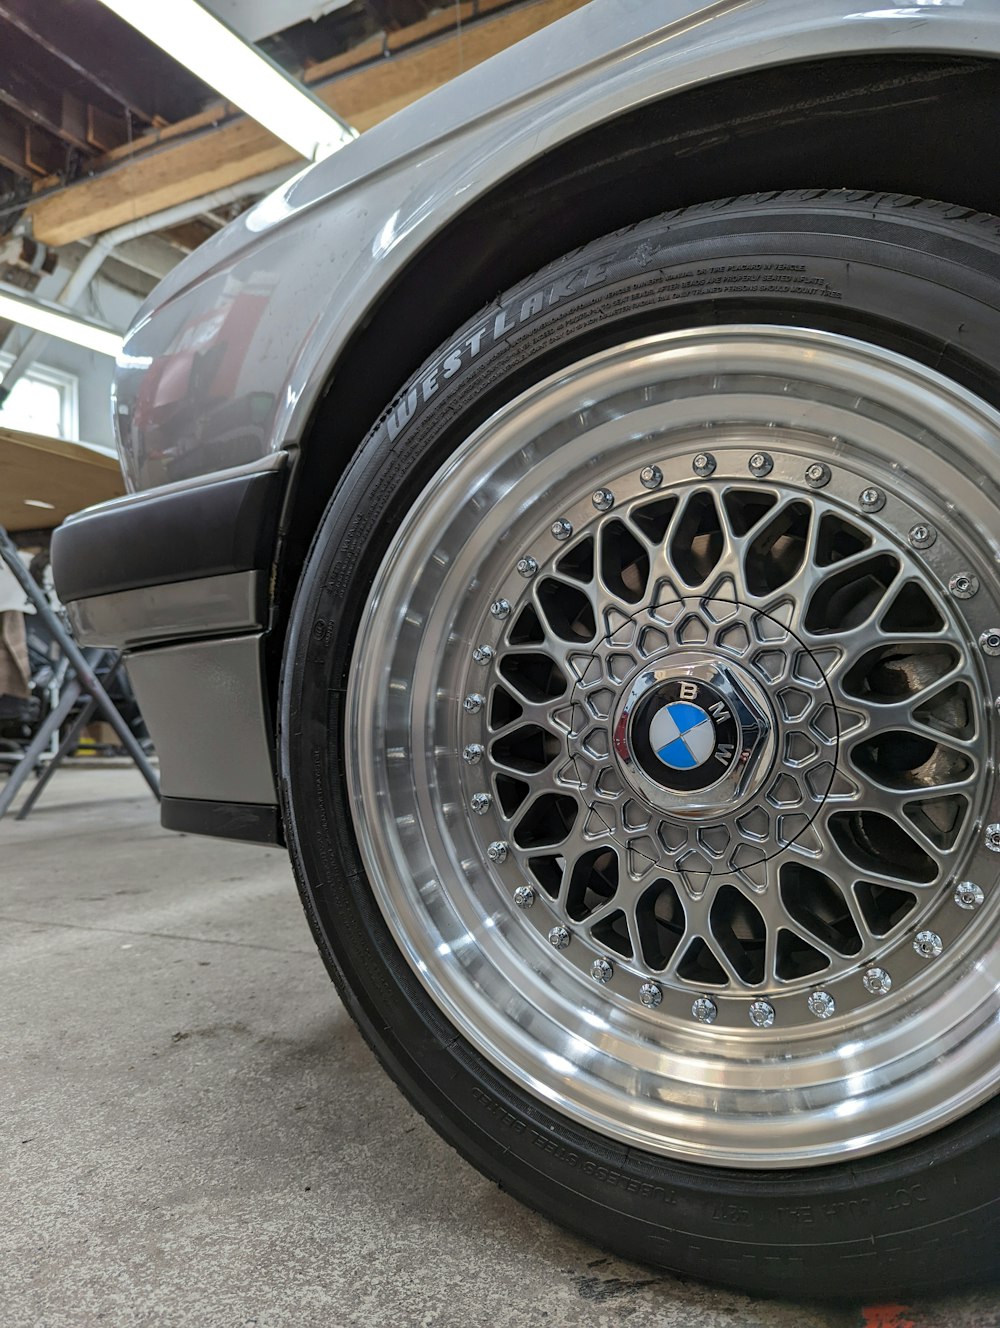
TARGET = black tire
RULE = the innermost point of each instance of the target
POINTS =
(921, 278)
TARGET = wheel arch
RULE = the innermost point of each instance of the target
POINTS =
(912, 123)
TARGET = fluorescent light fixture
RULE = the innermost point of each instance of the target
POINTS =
(54, 321)
(242, 74)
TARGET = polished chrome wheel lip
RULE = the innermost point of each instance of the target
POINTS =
(755, 1097)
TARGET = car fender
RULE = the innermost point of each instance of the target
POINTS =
(255, 321)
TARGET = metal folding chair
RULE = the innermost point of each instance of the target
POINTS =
(81, 682)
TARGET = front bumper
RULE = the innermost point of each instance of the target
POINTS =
(177, 578)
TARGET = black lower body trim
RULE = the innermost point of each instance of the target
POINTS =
(252, 822)
(227, 524)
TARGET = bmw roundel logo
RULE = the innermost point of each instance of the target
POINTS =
(684, 734)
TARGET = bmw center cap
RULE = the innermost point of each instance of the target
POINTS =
(685, 735)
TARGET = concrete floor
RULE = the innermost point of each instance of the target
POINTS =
(193, 1133)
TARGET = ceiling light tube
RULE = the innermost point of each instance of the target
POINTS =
(242, 74)
(16, 307)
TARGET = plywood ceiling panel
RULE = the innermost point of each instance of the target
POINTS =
(63, 476)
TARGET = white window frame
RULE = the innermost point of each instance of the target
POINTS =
(69, 392)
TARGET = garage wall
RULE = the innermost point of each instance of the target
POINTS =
(95, 372)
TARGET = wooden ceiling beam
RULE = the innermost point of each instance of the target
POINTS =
(100, 57)
(182, 167)
(13, 149)
(28, 26)
(35, 85)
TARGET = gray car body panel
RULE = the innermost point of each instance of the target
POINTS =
(208, 606)
(203, 702)
(229, 356)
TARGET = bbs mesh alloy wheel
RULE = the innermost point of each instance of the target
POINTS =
(639, 744)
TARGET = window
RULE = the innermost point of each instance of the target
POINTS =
(43, 401)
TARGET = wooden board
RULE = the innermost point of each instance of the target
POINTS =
(35, 469)
(179, 167)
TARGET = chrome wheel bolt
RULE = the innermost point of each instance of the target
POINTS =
(928, 944)
(481, 803)
(760, 464)
(993, 837)
(601, 970)
(500, 608)
(526, 567)
(877, 981)
(497, 851)
(817, 475)
(968, 895)
(603, 499)
(650, 994)
(651, 477)
(871, 500)
(703, 464)
(761, 1014)
(524, 896)
(989, 641)
(473, 703)
(705, 1010)
(472, 753)
(482, 654)
(963, 585)
(821, 1004)
(561, 529)
(921, 536)
(559, 937)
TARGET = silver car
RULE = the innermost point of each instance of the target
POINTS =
(568, 519)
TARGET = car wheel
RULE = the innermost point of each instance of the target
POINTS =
(637, 742)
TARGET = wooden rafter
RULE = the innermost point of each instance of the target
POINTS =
(220, 148)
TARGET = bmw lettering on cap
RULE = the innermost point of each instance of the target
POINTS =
(685, 735)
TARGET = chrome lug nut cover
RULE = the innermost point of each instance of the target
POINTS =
(705, 1010)
(559, 937)
(524, 896)
(651, 477)
(818, 475)
(500, 608)
(497, 851)
(822, 1004)
(482, 654)
(760, 464)
(481, 803)
(761, 1014)
(561, 529)
(526, 567)
(928, 944)
(968, 895)
(963, 585)
(989, 641)
(473, 703)
(993, 837)
(871, 500)
(602, 970)
(650, 994)
(703, 464)
(921, 536)
(472, 753)
(877, 981)
(603, 499)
